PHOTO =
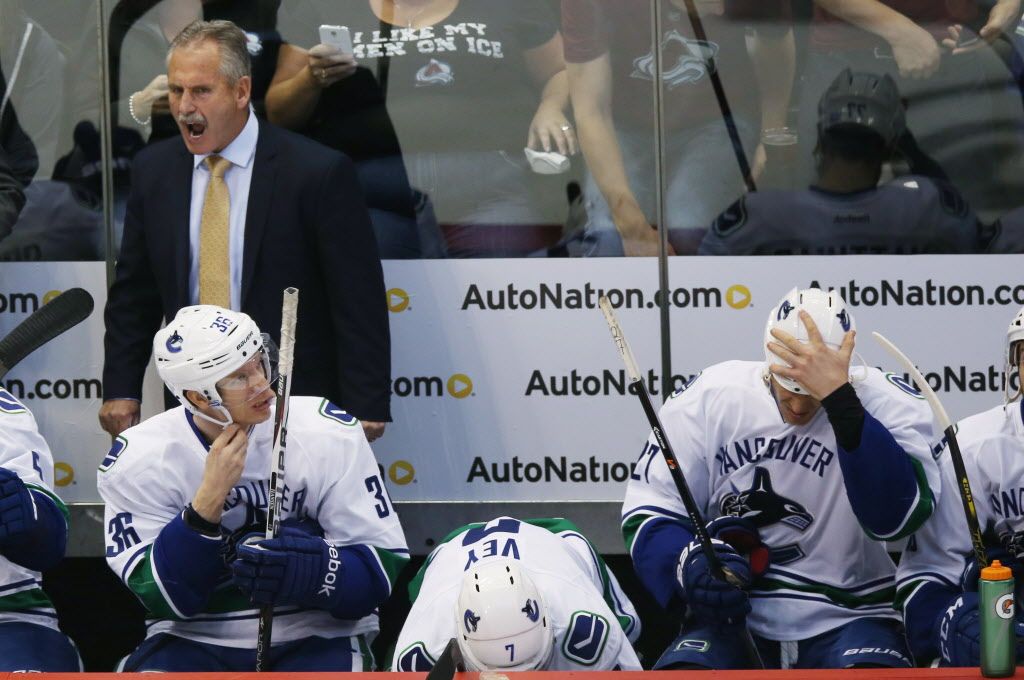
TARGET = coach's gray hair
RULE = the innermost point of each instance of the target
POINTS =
(234, 52)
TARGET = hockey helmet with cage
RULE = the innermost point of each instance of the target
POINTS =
(865, 100)
(827, 310)
(501, 618)
(1012, 354)
(204, 344)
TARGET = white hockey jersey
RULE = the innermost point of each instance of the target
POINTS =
(910, 215)
(740, 457)
(331, 476)
(24, 451)
(992, 444)
(592, 619)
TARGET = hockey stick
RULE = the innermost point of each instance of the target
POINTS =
(718, 570)
(723, 101)
(949, 429)
(58, 315)
(289, 309)
(449, 663)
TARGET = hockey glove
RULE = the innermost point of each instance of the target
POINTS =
(17, 509)
(295, 568)
(960, 632)
(712, 600)
(743, 536)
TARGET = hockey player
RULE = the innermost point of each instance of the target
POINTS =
(860, 118)
(33, 533)
(937, 580)
(186, 495)
(820, 464)
(518, 596)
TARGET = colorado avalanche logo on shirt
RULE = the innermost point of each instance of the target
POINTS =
(434, 73)
(174, 343)
(531, 610)
(470, 620)
(685, 60)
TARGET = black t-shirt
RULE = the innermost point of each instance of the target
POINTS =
(461, 84)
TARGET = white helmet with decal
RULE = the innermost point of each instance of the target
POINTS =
(501, 618)
(827, 309)
(1014, 334)
(202, 345)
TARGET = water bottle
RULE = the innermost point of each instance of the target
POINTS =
(998, 640)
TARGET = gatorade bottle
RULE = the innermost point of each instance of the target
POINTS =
(998, 641)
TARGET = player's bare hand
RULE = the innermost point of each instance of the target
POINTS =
(328, 65)
(639, 238)
(916, 52)
(550, 130)
(224, 465)
(373, 429)
(819, 369)
(117, 415)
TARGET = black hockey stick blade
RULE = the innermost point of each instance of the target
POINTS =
(65, 311)
(449, 663)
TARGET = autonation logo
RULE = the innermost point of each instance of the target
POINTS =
(606, 383)
(24, 303)
(884, 293)
(513, 297)
(457, 385)
(548, 469)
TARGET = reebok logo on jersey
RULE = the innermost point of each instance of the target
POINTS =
(331, 577)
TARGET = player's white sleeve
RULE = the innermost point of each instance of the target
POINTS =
(355, 508)
(139, 501)
(604, 580)
(903, 411)
(23, 450)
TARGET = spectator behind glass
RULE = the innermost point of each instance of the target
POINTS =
(960, 105)
(452, 79)
(860, 118)
(611, 61)
(142, 30)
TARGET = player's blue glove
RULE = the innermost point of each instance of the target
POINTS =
(295, 568)
(960, 632)
(743, 536)
(712, 600)
(17, 511)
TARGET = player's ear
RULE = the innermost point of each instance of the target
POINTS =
(196, 399)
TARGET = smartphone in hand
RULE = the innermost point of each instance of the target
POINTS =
(336, 36)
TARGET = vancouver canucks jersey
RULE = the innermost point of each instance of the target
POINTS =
(331, 477)
(741, 458)
(992, 444)
(909, 215)
(592, 619)
(24, 451)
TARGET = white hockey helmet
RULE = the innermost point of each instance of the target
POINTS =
(1014, 334)
(501, 618)
(827, 309)
(202, 345)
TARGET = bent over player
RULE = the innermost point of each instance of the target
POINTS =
(937, 577)
(186, 496)
(33, 534)
(807, 465)
(518, 596)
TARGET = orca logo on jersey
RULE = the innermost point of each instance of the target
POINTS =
(470, 620)
(761, 505)
(531, 610)
(174, 343)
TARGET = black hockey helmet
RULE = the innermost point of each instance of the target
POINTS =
(864, 100)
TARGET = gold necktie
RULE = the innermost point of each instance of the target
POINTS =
(214, 258)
